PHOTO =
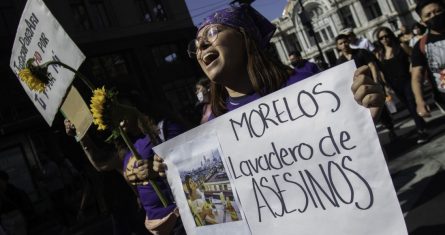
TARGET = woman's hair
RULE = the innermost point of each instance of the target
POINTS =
(392, 37)
(266, 74)
(205, 82)
(188, 180)
(394, 41)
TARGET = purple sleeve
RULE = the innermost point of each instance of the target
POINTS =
(314, 68)
(172, 129)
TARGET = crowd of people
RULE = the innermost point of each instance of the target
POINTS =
(401, 64)
(230, 47)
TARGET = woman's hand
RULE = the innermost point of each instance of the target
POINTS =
(423, 110)
(159, 166)
(142, 170)
(366, 92)
(70, 129)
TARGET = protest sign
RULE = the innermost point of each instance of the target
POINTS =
(41, 37)
(303, 160)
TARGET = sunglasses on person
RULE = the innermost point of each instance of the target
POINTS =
(383, 37)
(209, 36)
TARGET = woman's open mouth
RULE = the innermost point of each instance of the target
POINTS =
(209, 57)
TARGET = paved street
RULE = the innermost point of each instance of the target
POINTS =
(418, 173)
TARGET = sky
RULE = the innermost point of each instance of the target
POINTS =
(199, 9)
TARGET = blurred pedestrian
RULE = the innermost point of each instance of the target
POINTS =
(357, 42)
(301, 65)
(429, 54)
(405, 34)
(395, 66)
(202, 91)
(363, 57)
(418, 32)
(360, 56)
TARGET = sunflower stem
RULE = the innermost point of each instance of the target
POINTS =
(136, 154)
(81, 76)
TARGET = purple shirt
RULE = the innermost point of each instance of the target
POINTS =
(304, 72)
(299, 75)
(147, 195)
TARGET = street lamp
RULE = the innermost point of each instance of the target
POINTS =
(308, 24)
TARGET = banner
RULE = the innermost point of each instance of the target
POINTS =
(41, 37)
(303, 160)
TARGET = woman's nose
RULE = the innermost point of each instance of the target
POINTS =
(202, 44)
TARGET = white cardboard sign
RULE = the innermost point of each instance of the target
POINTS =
(41, 37)
(303, 160)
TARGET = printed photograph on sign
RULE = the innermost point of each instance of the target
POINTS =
(208, 191)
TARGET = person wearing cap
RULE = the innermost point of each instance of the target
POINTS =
(357, 42)
(231, 49)
(428, 54)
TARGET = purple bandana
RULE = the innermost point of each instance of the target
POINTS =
(244, 16)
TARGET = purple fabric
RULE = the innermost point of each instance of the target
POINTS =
(147, 195)
(233, 103)
(244, 16)
(304, 72)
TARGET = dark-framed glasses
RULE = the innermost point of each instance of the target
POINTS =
(383, 37)
(209, 36)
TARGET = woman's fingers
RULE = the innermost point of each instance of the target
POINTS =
(70, 129)
(423, 111)
(159, 165)
(369, 96)
(367, 92)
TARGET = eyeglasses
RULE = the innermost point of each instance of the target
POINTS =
(384, 36)
(208, 37)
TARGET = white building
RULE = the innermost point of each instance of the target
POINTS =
(329, 17)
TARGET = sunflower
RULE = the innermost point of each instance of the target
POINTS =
(31, 80)
(97, 107)
(35, 76)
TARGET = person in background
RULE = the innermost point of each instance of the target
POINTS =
(418, 32)
(301, 65)
(429, 54)
(114, 192)
(145, 133)
(405, 34)
(385, 117)
(361, 57)
(395, 66)
(202, 89)
(357, 42)
(229, 48)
